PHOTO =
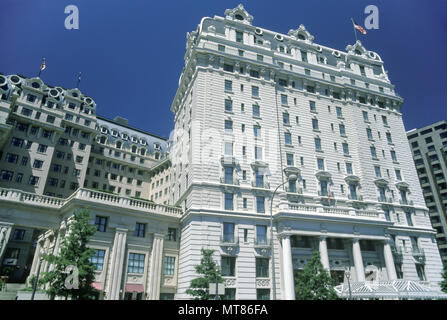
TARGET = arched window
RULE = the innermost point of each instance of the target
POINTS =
(118, 144)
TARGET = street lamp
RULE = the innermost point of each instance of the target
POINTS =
(42, 252)
(348, 276)
(291, 177)
(217, 283)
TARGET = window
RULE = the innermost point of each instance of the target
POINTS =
(384, 120)
(369, 134)
(289, 157)
(261, 235)
(228, 179)
(11, 158)
(135, 263)
(221, 48)
(254, 73)
(373, 152)
(100, 223)
(6, 175)
(345, 149)
(262, 294)
(228, 148)
(365, 115)
(33, 180)
(97, 259)
(228, 200)
(335, 243)
(257, 131)
(262, 267)
(169, 266)
(18, 234)
(367, 245)
(260, 201)
(304, 56)
(377, 171)
(228, 265)
(288, 138)
(315, 124)
(388, 137)
(228, 67)
(228, 232)
(320, 164)
(37, 164)
(342, 129)
(285, 118)
(42, 148)
(228, 105)
(228, 85)
(15, 142)
(399, 271)
(349, 168)
(256, 111)
(284, 99)
(339, 112)
(172, 234)
(317, 144)
(228, 126)
(19, 177)
(420, 271)
(312, 106)
(255, 91)
(258, 153)
(140, 230)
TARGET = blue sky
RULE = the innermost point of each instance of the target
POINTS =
(131, 52)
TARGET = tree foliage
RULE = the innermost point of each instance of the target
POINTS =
(74, 255)
(314, 282)
(443, 283)
(207, 268)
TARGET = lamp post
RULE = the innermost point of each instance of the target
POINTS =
(348, 276)
(291, 177)
(217, 283)
(42, 252)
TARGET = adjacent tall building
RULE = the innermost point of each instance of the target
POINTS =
(429, 145)
(281, 147)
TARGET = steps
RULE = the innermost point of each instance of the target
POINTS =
(10, 292)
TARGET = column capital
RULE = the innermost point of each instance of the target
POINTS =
(159, 235)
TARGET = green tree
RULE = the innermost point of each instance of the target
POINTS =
(207, 268)
(314, 282)
(443, 283)
(74, 257)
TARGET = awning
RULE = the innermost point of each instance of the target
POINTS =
(132, 287)
(397, 289)
(97, 285)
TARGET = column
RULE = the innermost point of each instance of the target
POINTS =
(324, 253)
(389, 261)
(358, 261)
(155, 268)
(117, 263)
(5, 233)
(289, 282)
(36, 259)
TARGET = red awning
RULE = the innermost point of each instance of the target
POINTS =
(97, 285)
(134, 287)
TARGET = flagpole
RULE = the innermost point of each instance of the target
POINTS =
(79, 80)
(355, 32)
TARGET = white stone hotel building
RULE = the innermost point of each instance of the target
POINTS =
(255, 111)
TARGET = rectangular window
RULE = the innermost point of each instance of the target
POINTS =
(262, 267)
(135, 263)
(260, 204)
(258, 153)
(228, 85)
(33, 180)
(365, 115)
(228, 179)
(377, 171)
(285, 118)
(369, 134)
(373, 152)
(289, 157)
(262, 294)
(261, 235)
(172, 234)
(11, 158)
(254, 91)
(284, 99)
(228, 232)
(312, 106)
(342, 129)
(169, 266)
(42, 148)
(37, 164)
(228, 126)
(97, 259)
(256, 111)
(315, 124)
(349, 168)
(288, 138)
(339, 112)
(229, 200)
(228, 148)
(320, 164)
(228, 265)
(239, 36)
(228, 105)
(140, 230)
(101, 223)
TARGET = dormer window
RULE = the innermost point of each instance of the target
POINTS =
(143, 152)
(114, 133)
(134, 149)
(239, 17)
(103, 130)
(118, 144)
(301, 37)
(143, 142)
(134, 139)
(35, 85)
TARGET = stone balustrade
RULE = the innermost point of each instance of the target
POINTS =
(33, 199)
(319, 209)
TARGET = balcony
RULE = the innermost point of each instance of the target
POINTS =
(355, 197)
(262, 243)
(325, 194)
(231, 181)
(385, 199)
(229, 241)
(294, 190)
(406, 202)
(260, 184)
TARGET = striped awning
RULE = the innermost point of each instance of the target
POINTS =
(133, 287)
(397, 289)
